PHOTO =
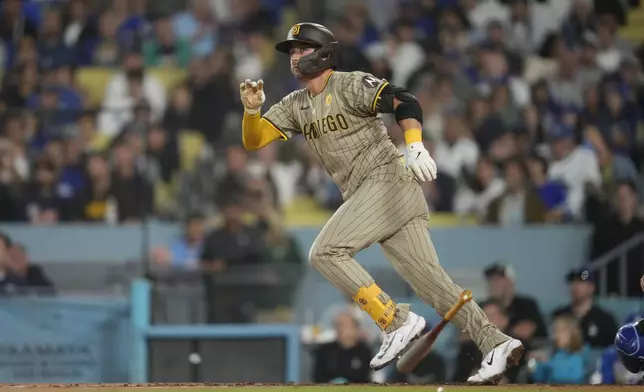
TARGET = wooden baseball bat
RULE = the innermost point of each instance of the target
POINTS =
(420, 348)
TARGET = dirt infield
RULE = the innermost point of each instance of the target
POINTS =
(314, 387)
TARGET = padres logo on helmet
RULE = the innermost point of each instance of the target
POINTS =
(315, 36)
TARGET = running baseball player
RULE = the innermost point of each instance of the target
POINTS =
(340, 116)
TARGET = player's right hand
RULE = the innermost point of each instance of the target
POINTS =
(420, 162)
(252, 95)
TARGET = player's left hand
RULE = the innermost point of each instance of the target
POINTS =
(420, 162)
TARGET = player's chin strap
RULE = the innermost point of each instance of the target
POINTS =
(368, 300)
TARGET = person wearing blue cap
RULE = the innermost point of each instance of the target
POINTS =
(598, 326)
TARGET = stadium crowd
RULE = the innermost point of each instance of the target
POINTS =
(532, 109)
(117, 111)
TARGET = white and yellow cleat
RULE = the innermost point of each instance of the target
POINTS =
(396, 342)
(497, 362)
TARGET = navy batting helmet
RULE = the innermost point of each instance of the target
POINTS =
(318, 37)
(629, 343)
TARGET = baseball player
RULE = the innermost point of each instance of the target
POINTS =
(340, 116)
(629, 343)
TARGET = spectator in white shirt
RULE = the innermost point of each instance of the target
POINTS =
(456, 152)
(122, 95)
(575, 166)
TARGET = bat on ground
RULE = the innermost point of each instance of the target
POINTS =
(420, 348)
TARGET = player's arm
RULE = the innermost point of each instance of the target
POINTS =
(409, 116)
(257, 131)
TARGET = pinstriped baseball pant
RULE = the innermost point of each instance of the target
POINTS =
(390, 208)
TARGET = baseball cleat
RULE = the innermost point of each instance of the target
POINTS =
(396, 342)
(497, 362)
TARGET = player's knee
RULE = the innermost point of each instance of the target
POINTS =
(320, 255)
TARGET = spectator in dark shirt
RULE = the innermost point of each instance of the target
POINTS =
(597, 325)
(10, 283)
(95, 200)
(132, 191)
(345, 360)
(525, 320)
(616, 229)
(42, 203)
(14, 23)
(51, 47)
(235, 243)
(33, 275)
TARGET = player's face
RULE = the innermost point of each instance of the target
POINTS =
(297, 51)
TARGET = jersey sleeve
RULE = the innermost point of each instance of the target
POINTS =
(280, 116)
(361, 91)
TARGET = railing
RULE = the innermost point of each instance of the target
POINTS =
(619, 254)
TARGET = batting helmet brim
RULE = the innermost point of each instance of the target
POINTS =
(286, 45)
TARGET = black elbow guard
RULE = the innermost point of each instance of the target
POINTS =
(407, 108)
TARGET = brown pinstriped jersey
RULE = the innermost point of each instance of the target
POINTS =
(341, 125)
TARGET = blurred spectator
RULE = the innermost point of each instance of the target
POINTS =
(235, 242)
(80, 25)
(551, 192)
(177, 117)
(42, 203)
(566, 86)
(162, 151)
(164, 48)
(125, 90)
(347, 359)
(598, 327)
(569, 361)
(281, 176)
(212, 93)
(103, 48)
(580, 21)
(621, 224)
(484, 188)
(198, 26)
(520, 203)
(33, 276)
(251, 58)
(15, 23)
(575, 166)
(96, 201)
(455, 153)
(131, 189)
(185, 251)
(52, 50)
(405, 54)
(525, 321)
(351, 57)
(10, 283)
(15, 93)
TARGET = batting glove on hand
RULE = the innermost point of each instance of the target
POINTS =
(419, 161)
(252, 95)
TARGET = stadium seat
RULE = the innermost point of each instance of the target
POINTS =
(191, 145)
(94, 80)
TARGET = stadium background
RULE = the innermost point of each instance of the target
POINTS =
(121, 133)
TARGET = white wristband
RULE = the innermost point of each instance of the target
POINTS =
(252, 111)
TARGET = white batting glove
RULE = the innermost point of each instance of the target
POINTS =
(419, 161)
(252, 95)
